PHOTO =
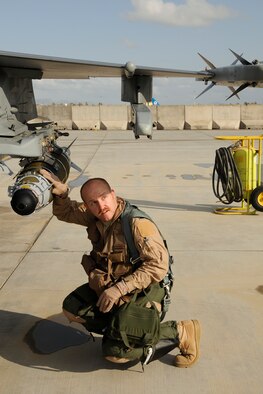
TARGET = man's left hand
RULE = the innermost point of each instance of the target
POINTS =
(108, 298)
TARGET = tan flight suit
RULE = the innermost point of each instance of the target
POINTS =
(108, 262)
(109, 252)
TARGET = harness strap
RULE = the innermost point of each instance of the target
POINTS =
(129, 212)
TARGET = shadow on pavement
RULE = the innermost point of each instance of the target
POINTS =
(16, 345)
(176, 207)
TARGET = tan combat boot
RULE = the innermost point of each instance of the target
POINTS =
(189, 340)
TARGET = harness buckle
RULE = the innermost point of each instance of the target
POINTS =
(134, 261)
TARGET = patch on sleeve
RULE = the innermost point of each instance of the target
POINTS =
(146, 228)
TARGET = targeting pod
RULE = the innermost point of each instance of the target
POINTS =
(32, 190)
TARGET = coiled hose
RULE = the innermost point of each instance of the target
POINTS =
(227, 185)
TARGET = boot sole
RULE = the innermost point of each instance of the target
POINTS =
(197, 341)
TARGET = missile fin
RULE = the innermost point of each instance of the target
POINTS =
(206, 89)
(242, 87)
(240, 58)
(211, 65)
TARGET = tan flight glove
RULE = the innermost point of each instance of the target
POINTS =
(110, 296)
(59, 188)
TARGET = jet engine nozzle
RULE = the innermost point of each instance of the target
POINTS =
(32, 190)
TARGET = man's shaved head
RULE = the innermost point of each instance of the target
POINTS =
(99, 198)
(90, 182)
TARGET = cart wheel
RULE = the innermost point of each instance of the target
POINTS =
(256, 198)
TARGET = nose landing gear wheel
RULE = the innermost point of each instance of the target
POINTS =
(256, 198)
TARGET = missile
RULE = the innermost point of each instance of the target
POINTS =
(31, 190)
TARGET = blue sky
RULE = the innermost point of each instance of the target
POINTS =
(163, 33)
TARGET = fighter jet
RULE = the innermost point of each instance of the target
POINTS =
(33, 141)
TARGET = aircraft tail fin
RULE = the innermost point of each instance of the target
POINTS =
(153, 102)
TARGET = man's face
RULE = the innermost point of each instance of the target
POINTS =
(101, 202)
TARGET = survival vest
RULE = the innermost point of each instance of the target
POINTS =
(132, 211)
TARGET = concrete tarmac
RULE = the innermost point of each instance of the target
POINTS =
(218, 272)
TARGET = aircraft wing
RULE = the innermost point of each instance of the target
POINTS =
(48, 67)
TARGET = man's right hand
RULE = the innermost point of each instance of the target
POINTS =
(59, 188)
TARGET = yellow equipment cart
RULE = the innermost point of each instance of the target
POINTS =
(237, 175)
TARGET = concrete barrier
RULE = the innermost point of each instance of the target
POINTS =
(165, 117)
(86, 117)
(198, 117)
(113, 117)
(59, 113)
(251, 116)
(226, 117)
(170, 117)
